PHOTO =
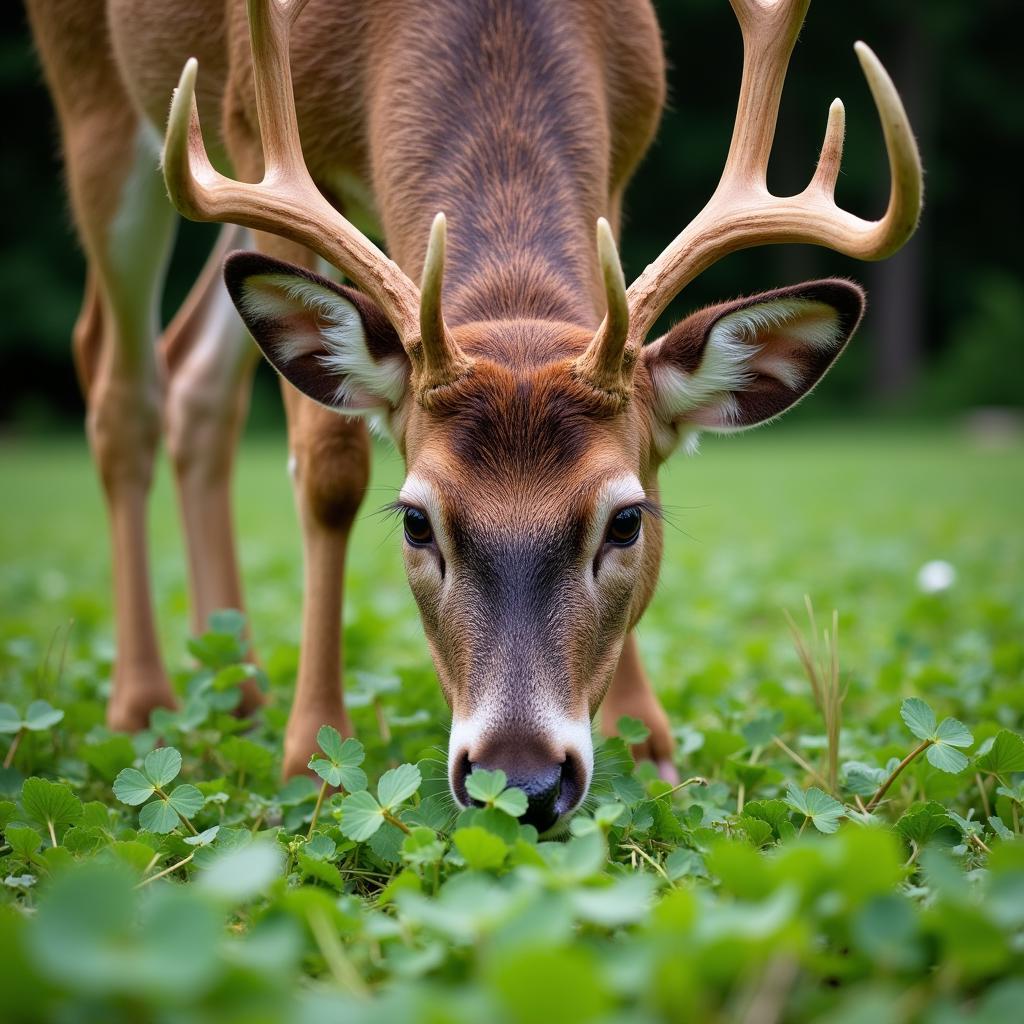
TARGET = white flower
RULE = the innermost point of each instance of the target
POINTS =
(935, 577)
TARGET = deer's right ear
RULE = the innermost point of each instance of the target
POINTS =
(330, 342)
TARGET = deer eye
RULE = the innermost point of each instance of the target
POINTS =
(417, 528)
(624, 528)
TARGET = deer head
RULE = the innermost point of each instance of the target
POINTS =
(530, 508)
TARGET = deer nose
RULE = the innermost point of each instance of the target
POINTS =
(552, 790)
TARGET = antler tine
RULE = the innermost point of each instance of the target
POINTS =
(442, 359)
(286, 202)
(606, 363)
(743, 213)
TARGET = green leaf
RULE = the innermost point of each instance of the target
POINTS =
(322, 870)
(489, 787)
(919, 718)
(132, 787)
(361, 816)
(246, 756)
(186, 800)
(999, 827)
(922, 823)
(320, 847)
(480, 849)
(23, 841)
(204, 838)
(10, 718)
(242, 871)
(50, 804)
(398, 785)
(1002, 755)
(625, 901)
(822, 809)
(41, 715)
(340, 766)
(760, 731)
(422, 847)
(227, 620)
(486, 786)
(631, 730)
(162, 766)
(513, 802)
(159, 816)
(774, 813)
(946, 759)
(953, 732)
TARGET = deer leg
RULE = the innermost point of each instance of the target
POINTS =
(126, 227)
(210, 362)
(631, 694)
(329, 460)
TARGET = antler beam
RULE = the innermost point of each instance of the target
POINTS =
(742, 212)
(286, 202)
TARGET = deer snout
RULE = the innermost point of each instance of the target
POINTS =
(552, 770)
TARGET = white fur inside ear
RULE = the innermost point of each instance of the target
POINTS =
(334, 334)
(738, 350)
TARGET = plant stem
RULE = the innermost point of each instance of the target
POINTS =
(14, 747)
(166, 871)
(883, 788)
(650, 860)
(397, 822)
(984, 796)
(695, 780)
(53, 834)
(316, 810)
(789, 752)
(341, 968)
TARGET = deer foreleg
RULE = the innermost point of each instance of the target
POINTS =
(210, 362)
(631, 694)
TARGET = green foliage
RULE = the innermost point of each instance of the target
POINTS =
(941, 738)
(339, 764)
(184, 881)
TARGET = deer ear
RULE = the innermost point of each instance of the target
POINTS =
(737, 365)
(331, 342)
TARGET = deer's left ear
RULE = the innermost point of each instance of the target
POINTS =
(742, 363)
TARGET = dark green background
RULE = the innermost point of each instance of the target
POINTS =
(946, 321)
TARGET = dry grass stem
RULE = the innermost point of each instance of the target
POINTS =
(819, 656)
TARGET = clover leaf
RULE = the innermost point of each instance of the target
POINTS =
(361, 816)
(492, 790)
(941, 738)
(51, 805)
(816, 806)
(338, 765)
(397, 785)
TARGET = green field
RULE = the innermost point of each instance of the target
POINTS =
(714, 902)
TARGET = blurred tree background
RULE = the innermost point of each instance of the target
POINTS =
(945, 326)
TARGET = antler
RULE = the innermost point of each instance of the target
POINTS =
(287, 202)
(442, 358)
(743, 213)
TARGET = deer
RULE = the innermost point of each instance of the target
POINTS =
(496, 342)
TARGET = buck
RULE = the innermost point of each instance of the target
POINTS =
(516, 379)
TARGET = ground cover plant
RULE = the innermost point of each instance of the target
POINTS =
(844, 844)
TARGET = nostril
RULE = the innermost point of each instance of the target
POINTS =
(573, 785)
(461, 768)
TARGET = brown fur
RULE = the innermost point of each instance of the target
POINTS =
(522, 120)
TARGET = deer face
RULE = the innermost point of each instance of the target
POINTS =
(531, 544)
(530, 513)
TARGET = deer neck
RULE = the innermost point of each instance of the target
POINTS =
(503, 129)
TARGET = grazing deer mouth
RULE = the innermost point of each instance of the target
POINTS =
(552, 766)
